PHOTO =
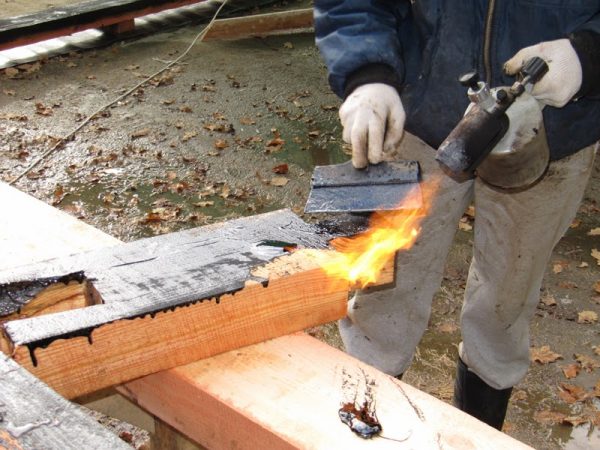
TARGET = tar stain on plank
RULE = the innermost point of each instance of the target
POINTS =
(157, 274)
(14, 295)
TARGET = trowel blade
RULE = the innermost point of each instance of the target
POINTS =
(385, 186)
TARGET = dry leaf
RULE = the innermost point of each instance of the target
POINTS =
(280, 169)
(587, 362)
(596, 255)
(596, 349)
(549, 417)
(597, 286)
(549, 300)
(464, 224)
(575, 223)
(583, 265)
(447, 327)
(279, 181)
(247, 121)
(204, 204)
(570, 393)
(594, 232)
(187, 136)
(220, 144)
(140, 133)
(571, 370)
(587, 317)
(43, 110)
(288, 45)
(557, 268)
(576, 420)
(11, 72)
(543, 355)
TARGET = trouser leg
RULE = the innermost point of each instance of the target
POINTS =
(384, 326)
(515, 233)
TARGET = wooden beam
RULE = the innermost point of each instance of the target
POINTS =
(65, 20)
(286, 394)
(170, 300)
(257, 395)
(35, 417)
(261, 24)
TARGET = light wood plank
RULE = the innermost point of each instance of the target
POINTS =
(286, 393)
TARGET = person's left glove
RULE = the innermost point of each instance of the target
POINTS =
(564, 76)
(373, 120)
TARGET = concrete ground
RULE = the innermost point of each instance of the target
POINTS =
(236, 129)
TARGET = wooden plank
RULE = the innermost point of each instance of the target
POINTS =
(261, 24)
(34, 417)
(153, 316)
(24, 240)
(61, 21)
(169, 300)
(286, 393)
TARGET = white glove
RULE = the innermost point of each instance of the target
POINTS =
(373, 120)
(563, 79)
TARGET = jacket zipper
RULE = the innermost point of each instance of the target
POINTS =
(487, 41)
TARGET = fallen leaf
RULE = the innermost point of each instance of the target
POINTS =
(596, 391)
(204, 204)
(587, 362)
(576, 420)
(597, 286)
(596, 349)
(288, 45)
(543, 355)
(557, 268)
(575, 223)
(11, 72)
(281, 169)
(549, 300)
(58, 196)
(567, 285)
(43, 110)
(570, 393)
(247, 121)
(9, 92)
(185, 109)
(571, 370)
(140, 133)
(464, 224)
(594, 232)
(187, 136)
(549, 417)
(587, 317)
(220, 144)
(596, 255)
(583, 265)
(279, 181)
(447, 327)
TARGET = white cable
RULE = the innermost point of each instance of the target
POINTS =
(69, 135)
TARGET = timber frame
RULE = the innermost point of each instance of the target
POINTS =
(279, 394)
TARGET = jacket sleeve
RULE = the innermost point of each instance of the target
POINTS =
(586, 42)
(358, 40)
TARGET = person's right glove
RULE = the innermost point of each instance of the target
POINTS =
(373, 120)
(564, 76)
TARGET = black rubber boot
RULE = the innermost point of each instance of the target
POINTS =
(475, 397)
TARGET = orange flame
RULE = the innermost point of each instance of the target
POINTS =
(360, 259)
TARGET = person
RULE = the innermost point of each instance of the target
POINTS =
(396, 64)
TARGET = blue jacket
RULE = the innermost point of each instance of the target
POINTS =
(423, 46)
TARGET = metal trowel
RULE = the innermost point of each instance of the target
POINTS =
(379, 187)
